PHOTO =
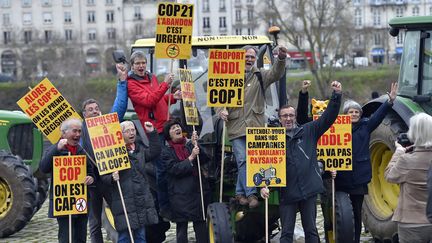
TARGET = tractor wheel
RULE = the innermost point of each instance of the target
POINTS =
(382, 199)
(41, 192)
(278, 180)
(108, 223)
(344, 219)
(218, 223)
(17, 194)
(257, 178)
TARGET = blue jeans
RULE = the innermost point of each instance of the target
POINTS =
(138, 235)
(239, 149)
(161, 178)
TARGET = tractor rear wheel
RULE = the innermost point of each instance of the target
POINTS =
(108, 223)
(42, 185)
(17, 194)
(380, 203)
(218, 223)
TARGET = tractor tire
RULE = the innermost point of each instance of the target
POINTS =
(344, 219)
(219, 223)
(42, 185)
(108, 223)
(380, 203)
(257, 178)
(17, 194)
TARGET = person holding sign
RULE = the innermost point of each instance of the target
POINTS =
(151, 104)
(68, 144)
(136, 190)
(409, 168)
(90, 108)
(250, 115)
(183, 182)
(304, 180)
(355, 182)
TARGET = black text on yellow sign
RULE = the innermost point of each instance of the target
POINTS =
(188, 97)
(334, 148)
(47, 108)
(174, 26)
(108, 144)
(69, 190)
(265, 157)
(225, 84)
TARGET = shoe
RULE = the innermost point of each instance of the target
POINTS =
(242, 200)
(253, 201)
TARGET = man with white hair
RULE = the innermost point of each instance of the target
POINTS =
(68, 144)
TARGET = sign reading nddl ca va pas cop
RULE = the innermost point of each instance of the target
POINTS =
(334, 147)
(188, 97)
(108, 145)
(47, 108)
(69, 192)
(174, 27)
(225, 84)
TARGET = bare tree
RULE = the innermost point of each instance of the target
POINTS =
(325, 25)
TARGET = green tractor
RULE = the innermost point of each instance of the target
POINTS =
(23, 189)
(414, 95)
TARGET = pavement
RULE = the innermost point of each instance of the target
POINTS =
(43, 229)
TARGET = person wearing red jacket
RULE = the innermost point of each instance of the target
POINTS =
(151, 104)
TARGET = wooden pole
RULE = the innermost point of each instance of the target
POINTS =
(222, 162)
(169, 90)
(70, 228)
(200, 182)
(334, 210)
(266, 220)
(125, 212)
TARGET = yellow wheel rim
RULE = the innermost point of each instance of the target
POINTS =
(110, 216)
(211, 232)
(6, 198)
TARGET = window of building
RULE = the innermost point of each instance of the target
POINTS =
(249, 1)
(399, 12)
(358, 17)
(92, 34)
(377, 39)
(6, 37)
(109, 2)
(139, 30)
(222, 22)
(47, 18)
(399, 39)
(250, 31)
(137, 12)
(111, 34)
(299, 41)
(415, 11)
(250, 14)
(48, 36)
(5, 3)
(430, 11)
(90, 2)
(91, 16)
(376, 17)
(110, 16)
(206, 22)
(6, 19)
(67, 2)
(27, 18)
(221, 4)
(206, 7)
(238, 31)
(356, 2)
(67, 17)
(68, 35)
(46, 3)
(27, 36)
(238, 15)
(359, 40)
(26, 3)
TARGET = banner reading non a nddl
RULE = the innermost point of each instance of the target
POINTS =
(174, 26)
(69, 192)
(188, 97)
(334, 147)
(47, 108)
(265, 156)
(225, 84)
(108, 145)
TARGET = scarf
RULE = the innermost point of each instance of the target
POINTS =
(72, 149)
(180, 149)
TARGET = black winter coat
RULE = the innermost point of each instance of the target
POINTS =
(303, 176)
(429, 201)
(46, 166)
(135, 188)
(183, 185)
(361, 173)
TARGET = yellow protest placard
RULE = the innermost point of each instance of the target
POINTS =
(47, 108)
(225, 84)
(188, 97)
(334, 147)
(174, 26)
(265, 156)
(69, 192)
(108, 145)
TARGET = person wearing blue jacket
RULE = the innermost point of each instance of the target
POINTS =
(355, 182)
(90, 108)
(304, 180)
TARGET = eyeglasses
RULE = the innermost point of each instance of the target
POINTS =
(287, 115)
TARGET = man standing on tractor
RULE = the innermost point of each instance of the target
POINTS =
(305, 181)
(250, 115)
